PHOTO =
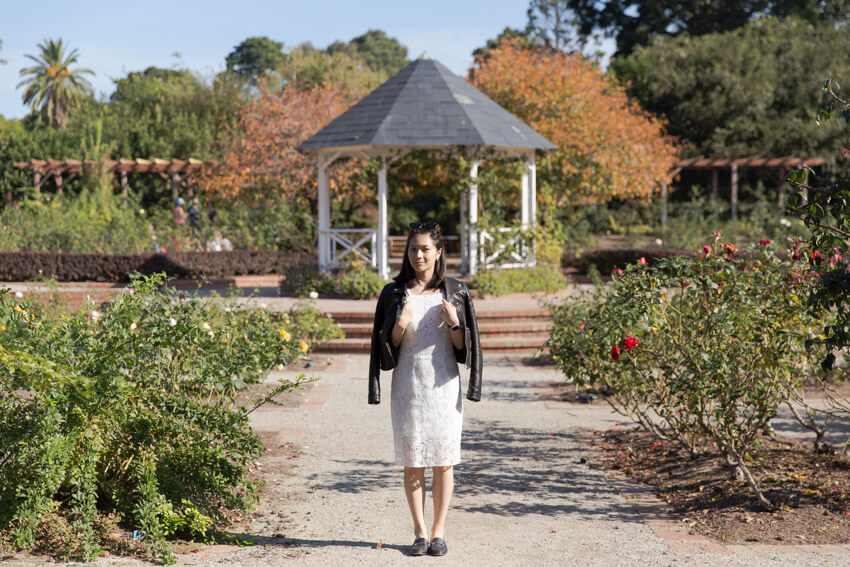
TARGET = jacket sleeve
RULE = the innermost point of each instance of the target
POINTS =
(375, 355)
(474, 390)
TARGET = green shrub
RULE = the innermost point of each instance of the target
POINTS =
(354, 281)
(131, 411)
(518, 280)
(694, 349)
(303, 322)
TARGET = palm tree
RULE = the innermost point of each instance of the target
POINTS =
(53, 87)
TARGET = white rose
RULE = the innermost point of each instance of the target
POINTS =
(172, 322)
(314, 295)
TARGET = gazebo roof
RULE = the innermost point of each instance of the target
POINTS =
(425, 106)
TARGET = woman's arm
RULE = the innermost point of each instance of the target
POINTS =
(401, 323)
(448, 314)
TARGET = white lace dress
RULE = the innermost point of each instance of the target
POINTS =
(426, 400)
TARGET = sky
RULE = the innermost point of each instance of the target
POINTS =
(115, 38)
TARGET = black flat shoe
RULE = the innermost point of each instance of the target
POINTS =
(437, 547)
(419, 547)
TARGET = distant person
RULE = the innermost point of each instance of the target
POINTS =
(212, 214)
(219, 244)
(424, 327)
(178, 213)
(194, 213)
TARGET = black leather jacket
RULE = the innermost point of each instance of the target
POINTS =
(384, 353)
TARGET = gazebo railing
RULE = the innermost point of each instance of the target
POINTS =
(516, 251)
(343, 243)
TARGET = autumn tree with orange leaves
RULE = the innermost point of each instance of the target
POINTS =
(607, 146)
(259, 161)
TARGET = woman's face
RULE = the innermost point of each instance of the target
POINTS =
(423, 253)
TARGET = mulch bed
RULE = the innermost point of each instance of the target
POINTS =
(812, 490)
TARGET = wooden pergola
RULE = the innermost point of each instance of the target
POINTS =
(782, 165)
(178, 172)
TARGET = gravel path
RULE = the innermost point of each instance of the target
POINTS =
(522, 497)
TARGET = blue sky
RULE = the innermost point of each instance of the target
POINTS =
(114, 38)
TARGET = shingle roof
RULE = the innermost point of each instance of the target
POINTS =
(426, 105)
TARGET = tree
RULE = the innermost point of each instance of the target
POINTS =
(53, 87)
(607, 146)
(259, 161)
(379, 51)
(2, 61)
(729, 95)
(507, 34)
(636, 22)
(307, 67)
(552, 23)
(255, 57)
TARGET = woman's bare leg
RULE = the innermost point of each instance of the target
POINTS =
(444, 482)
(414, 490)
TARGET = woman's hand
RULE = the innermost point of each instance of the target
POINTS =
(448, 313)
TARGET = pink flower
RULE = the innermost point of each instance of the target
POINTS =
(642, 261)
(717, 234)
(629, 343)
(618, 271)
(706, 249)
(615, 352)
(764, 242)
(581, 325)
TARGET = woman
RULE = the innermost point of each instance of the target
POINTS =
(424, 326)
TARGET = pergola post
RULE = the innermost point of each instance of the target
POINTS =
(36, 180)
(324, 217)
(472, 232)
(733, 197)
(663, 203)
(124, 184)
(383, 230)
(60, 183)
(175, 185)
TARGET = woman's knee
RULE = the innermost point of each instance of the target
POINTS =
(441, 470)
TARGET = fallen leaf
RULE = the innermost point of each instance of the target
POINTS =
(380, 545)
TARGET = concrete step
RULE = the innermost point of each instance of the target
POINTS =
(484, 317)
(503, 344)
(515, 327)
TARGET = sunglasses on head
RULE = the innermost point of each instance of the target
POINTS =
(423, 226)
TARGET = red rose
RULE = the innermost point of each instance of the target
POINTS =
(581, 325)
(685, 284)
(706, 249)
(615, 352)
(642, 261)
(717, 234)
(764, 242)
(618, 271)
(629, 343)
(730, 248)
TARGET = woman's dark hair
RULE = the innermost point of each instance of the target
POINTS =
(406, 273)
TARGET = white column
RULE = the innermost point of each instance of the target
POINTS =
(524, 199)
(472, 233)
(663, 203)
(464, 233)
(324, 217)
(733, 197)
(383, 230)
(532, 189)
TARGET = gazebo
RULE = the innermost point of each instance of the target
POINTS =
(423, 107)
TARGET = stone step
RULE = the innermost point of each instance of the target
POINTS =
(487, 327)
(490, 345)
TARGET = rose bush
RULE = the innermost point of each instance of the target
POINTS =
(695, 349)
(130, 411)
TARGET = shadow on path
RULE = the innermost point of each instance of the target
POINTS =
(296, 543)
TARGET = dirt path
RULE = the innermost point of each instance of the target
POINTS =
(524, 494)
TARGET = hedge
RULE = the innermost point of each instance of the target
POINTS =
(607, 260)
(29, 266)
